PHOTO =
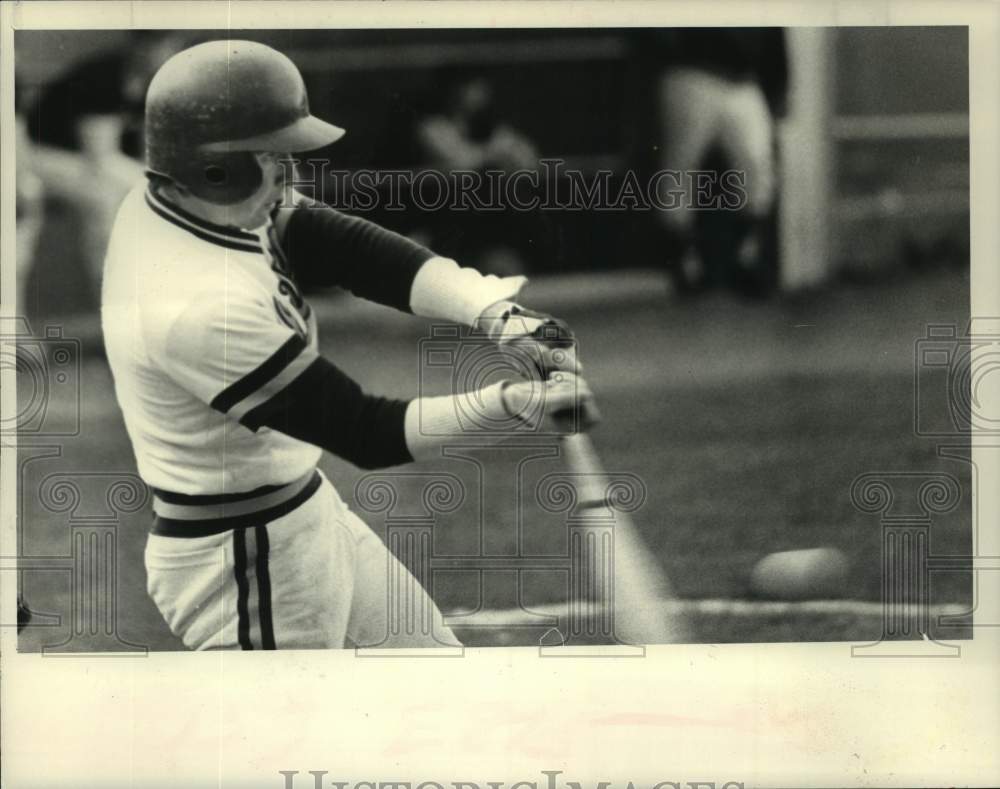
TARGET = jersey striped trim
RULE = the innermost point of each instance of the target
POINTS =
(242, 589)
(209, 507)
(218, 498)
(261, 384)
(218, 522)
(228, 237)
(264, 612)
(277, 251)
(253, 546)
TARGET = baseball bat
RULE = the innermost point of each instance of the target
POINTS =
(640, 585)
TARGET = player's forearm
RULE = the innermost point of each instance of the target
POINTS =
(327, 248)
(493, 413)
(445, 291)
(325, 407)
(433, 422)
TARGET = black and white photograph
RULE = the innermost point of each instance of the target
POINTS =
(406, 341)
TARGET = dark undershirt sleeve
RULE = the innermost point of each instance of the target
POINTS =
(325, 407)
(325, 248)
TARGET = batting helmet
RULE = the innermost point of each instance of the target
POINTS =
(211, 107)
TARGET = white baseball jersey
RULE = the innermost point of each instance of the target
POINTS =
(202, 325)
(210, 341)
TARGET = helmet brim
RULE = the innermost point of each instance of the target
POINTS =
(306, 134)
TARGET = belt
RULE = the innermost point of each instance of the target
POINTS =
(180, 515)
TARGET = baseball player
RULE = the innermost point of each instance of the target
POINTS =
(719, 93)
(228, 402)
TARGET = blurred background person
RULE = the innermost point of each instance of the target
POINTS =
(469, 134)
(717, 94)
(86, 130)
(466, 132)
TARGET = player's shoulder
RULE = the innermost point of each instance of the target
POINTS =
(176, 251)
(172, 275)
(145, 243)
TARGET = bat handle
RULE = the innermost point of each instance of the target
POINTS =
(587, 415)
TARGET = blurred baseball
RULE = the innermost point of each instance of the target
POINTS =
(800, 575)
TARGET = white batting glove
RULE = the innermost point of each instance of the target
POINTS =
(552, 404)
(541, 344)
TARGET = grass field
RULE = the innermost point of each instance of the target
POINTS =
(747, 423)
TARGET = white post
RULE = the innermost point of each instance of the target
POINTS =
(807, 157)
